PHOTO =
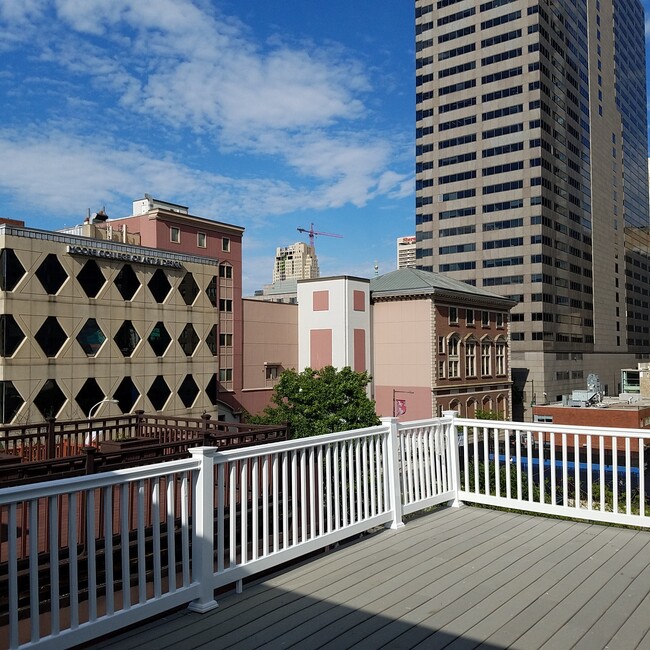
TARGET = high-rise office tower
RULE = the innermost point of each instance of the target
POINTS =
(295, 262)
(406, 252)
(531, 176)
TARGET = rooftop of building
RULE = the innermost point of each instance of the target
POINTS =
(412, 282)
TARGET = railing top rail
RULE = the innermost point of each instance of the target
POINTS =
(546, 427)
(228, 455)
(423, 423)
(79, 483)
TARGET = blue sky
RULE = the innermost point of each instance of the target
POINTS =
(269, 115)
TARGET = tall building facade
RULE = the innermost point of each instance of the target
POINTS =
(531, 175)
(295, 262)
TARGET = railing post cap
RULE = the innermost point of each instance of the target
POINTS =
(203, 451)
(389, 419)
(449, 414)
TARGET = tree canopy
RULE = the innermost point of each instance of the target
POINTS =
(314, 402)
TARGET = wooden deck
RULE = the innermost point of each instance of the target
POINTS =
(454, 578)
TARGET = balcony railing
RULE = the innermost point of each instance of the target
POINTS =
(106, 551)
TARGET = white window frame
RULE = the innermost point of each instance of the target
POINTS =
(175, 234)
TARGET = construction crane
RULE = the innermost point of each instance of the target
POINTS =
(311, 232)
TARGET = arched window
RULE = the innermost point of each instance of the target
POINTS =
(471, 408)
(500, 349)
(470, 357)
(453, 357)
(486, 357)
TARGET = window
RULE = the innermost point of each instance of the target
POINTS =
(486, 358)
(225, 374)
(225, 340)
(201, 241)
(225, 244)
(441, 345)
(272, 372)
(470, 358)
(225, 305)
(453, 315)
(175, 235)
(500, 319)
(469, 317)
(441, 369)
(500, 357)
(485, 319)
(225, 271)
(453, 365)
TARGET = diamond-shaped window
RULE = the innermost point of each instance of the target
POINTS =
(211, 340)
(91, 278)
(188, 391)
(51, 336)
(188, 289)
(11, 336)
(211, 291)
(126, 395)
(50, 399)
(10, 401)
(91, 337)
(158, 393)
(188, 340)
(89, 395)
(212, 390)
(11, 270)
(127, 338)
(159, 339)
(127, 282)
(51, 274)
(159, 286)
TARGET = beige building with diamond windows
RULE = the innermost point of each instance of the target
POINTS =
(91, 314)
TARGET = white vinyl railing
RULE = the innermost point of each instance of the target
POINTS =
(90, 555)
(588, 473)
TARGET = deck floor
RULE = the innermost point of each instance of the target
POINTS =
(454, 578)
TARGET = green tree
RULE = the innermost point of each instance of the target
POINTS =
(314, 402)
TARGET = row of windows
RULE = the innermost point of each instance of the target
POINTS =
(51, 337)
(50, 399)
(52, 276)
(451, 367)
(472, 315)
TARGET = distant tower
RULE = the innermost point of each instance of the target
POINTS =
(295, 262)
(406, 252)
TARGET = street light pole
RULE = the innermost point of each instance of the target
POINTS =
(90, 438)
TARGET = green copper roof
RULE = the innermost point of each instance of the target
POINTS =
(413, 281)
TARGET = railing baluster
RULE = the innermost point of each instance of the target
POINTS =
(465, 455)
(34, 613)
(108, 550)
(590, 475)
(486, 461)
(328, 488)
(255, 497)
(540, 464)
(53, 513)
(576, 470)
(365, 477)
(243, 511)
(476, 460)
(265, 504)
(155, 517)
(285, 500)
(91, 555)
(506, 449)
(12, 571)
(337, 477)
(171, 531)
(125, 517)
(641, 477)
(373, 476)
(601, 460)
(565, 469)
(344, 483)
(529, 464)
(141, 553)
(551, 442)
(518, 457)
(232, 514)
(615, 474)
(628, 482)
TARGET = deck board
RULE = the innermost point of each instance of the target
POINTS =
(454, 578)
